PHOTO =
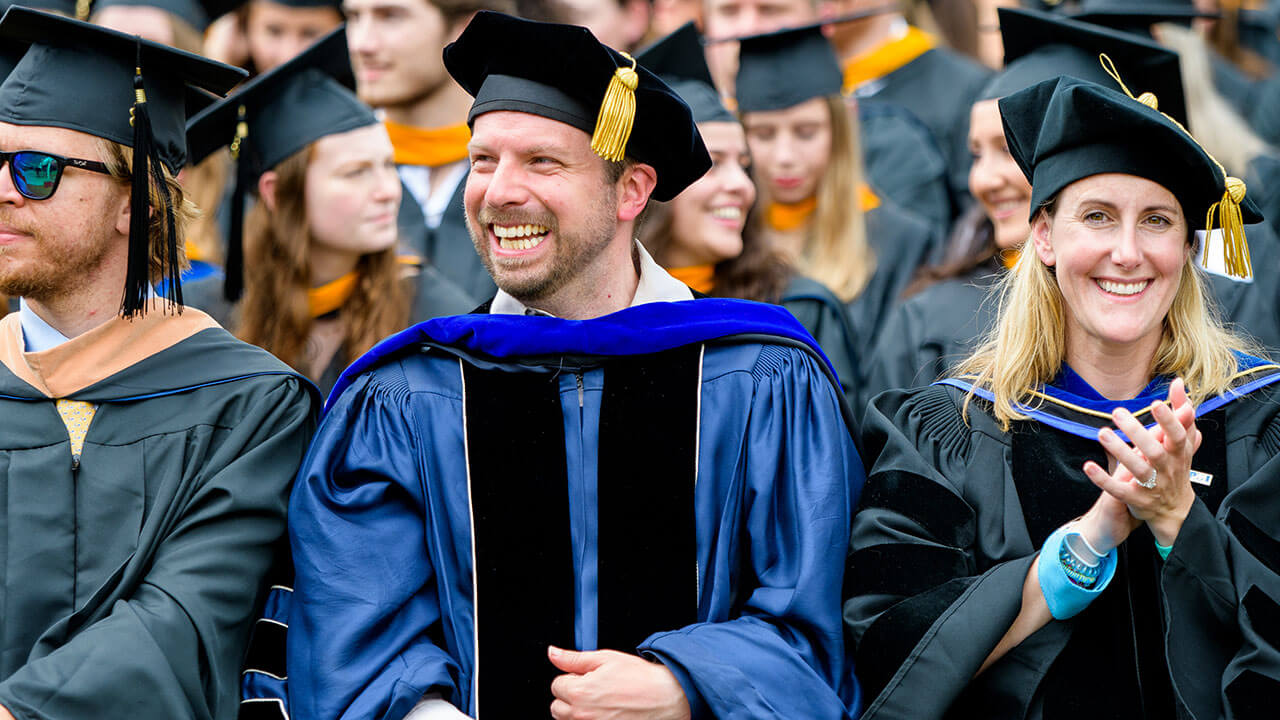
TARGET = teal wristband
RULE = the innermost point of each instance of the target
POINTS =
(1164, 550)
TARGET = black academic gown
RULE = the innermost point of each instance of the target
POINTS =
(904, 162)
(952, 517)
(130, 575)
(901, 243)
(448, 246)
(827, 320)
(939, 88)
(925, 336)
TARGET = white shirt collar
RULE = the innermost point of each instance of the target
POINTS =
(37, 334)
(656, 285)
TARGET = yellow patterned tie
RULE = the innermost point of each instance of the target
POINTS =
(76, 415)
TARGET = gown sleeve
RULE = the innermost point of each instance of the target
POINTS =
(364, 605)
(782, 654)
(922, 609)
(1221, 582)
(174, 647)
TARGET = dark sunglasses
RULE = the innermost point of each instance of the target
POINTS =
(36, 174)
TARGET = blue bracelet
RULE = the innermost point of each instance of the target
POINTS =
(1078, 572)
(1066, 596)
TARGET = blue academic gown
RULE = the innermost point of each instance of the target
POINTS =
(379, 518)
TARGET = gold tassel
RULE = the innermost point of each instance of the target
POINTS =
(84, 8)
(617, 113)
(1236, 252)
(1227, 209)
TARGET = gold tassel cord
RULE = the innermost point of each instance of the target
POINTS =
(617, 114)
(242, 132)
(1236, 251)
(1227, 209)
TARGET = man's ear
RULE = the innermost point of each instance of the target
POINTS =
(634, 188)
(267, 189)
(1041, 241)
(124, 214)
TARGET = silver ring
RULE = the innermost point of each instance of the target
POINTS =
(1150, 482)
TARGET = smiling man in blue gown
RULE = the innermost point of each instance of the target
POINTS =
(597, 494)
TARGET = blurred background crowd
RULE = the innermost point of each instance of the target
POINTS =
(861, 175)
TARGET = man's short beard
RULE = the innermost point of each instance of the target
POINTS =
(572, 252)
(53, 274)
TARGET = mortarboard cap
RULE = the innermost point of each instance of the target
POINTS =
(678, 59)
(119, 87)
(1062, 130)
(80, 76)
(582, 83)
(1040, 46)
(274, 116)
(284, 109)
(69, 8)
(1137, 16)
(783, 69)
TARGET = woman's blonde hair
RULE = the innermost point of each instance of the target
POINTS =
(1027, 347)
(275, 313)
(836, 252)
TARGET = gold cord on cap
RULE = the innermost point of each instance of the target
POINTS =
(617, 114)
(242, 132)
(1227, 209)
(83, 9)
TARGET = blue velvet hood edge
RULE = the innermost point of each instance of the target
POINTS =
(638, 330)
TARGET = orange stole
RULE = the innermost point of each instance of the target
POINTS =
(431, 147)
(890, 56)
(785, 217)
(332, 295)
(699, 277)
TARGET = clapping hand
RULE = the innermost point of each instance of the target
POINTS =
(1152, 477)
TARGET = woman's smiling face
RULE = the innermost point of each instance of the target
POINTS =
(1118, 244)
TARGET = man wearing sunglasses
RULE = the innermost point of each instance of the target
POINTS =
(145, 454)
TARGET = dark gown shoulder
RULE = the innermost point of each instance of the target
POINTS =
(206, 294)
(448, 246)
(939, 87)
(827, 320)
(930, 332)
(905, 163)
(901, 243)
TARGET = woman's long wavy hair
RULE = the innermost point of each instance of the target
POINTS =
(836, 252)
(1027, 347)
(275, 313)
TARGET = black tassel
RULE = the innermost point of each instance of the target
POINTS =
(137, 275)
(233, 282)
(148, 170)
(233, 279)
